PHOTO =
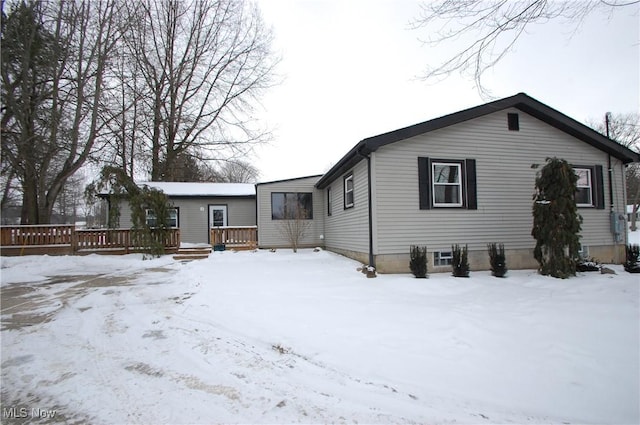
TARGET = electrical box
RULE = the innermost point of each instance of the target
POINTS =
(618, 226)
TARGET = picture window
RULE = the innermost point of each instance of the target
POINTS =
(291, 206)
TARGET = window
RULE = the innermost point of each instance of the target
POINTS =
(442, 258)
(446, 183)
(583, 251)
(172, 220)
(348, 191)
(590, 186)
(513, 122)
(329, 200)
(584, 194)
(291, 206)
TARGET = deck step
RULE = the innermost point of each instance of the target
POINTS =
(190, 257)
(193, 253)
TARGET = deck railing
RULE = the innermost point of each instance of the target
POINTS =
(36, 235)
(19, 240)
(118, 239)
(239, 237)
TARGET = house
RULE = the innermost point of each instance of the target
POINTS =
(464, 178)
(197, 207)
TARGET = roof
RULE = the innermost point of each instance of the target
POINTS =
(317, 176)
(520, 101)
(189, 189)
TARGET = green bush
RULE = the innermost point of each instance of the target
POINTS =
(418, 261)
(497, 259)
(632, 264)
(460, 263)
(556, 222)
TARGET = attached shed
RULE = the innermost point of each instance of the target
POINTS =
(200, 206)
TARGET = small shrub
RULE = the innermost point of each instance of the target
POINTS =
(418, 261)
(632, 263)
(280, 349)
(460, 262)
(588, 265)
(497, 259)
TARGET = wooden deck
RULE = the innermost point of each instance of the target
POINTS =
(237, 238)
(67, 240)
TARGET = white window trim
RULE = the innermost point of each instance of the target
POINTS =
(434, 184)
(177, 217)
(346, 191)
(589, 186)
(438, 257)
(583, 251)
(149, 213)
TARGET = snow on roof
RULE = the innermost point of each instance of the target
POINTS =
(203, 189)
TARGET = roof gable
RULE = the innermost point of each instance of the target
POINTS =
(520, 101)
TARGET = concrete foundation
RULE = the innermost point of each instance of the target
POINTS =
(479, 259)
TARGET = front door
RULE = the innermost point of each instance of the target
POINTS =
(217, 215)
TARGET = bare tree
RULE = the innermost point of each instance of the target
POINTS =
(203, 64)
(295, 218)
(237, 171)
(54, 57)
(69, 203)
(493, 27)
(625, 129)
(126, 147)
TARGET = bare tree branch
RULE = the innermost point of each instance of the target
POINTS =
(491, 28)
(204, 65)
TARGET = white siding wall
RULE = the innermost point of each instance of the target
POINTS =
(348, 229)
(505, 185)
(269, 233)
(194, 215)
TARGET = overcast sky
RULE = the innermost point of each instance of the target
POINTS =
(350, 71)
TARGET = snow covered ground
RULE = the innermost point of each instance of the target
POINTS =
(261, 337)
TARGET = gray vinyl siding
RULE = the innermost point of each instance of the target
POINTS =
(348, 229)
(269, 233)
(505, 185)
(193, 215)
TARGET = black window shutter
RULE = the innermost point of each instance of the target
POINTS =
(472, 196)
(424, 185)
(598, 192)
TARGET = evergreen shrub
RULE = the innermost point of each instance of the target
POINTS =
(632, 263)
(418, 261)
(497, 259)
(460, 262)
(556, 222)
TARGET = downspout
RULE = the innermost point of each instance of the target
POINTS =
(611, 205)
(615, 223)
(372, 260)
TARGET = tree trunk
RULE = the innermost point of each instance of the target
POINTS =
(29, 211)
